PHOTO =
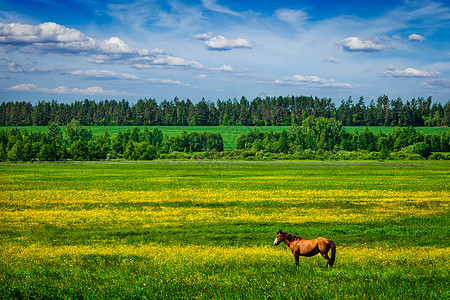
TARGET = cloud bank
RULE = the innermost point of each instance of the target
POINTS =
(52, 37)
(94, 90)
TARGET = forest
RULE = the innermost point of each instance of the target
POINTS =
(278, 111)
(78, 143)
(326, 138)
(317, 138)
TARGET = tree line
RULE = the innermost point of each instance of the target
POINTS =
(317, 138)
(78, 143)
(327, 138)
(279, 111)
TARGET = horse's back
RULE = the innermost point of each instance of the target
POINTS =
(323, 240)
(324, 244)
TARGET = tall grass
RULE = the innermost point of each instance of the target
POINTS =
(201, 230)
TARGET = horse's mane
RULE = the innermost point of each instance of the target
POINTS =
(291, 237)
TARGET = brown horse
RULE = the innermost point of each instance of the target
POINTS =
(308, 248)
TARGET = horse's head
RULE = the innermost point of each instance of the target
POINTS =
(279, 238)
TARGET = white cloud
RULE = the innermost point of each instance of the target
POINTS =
(95, 90)
(113, 45)
(291, 16)
(108, 59)
(147, 62)
(16, 33)
(51, 37)
(354, 44)
(203, 36)
(23, 87)
(30, 87)
(102, 74)
(221, 43)
(409, 72)
(58, 90)
(416, 37)
(311, 81)
(226, 68)
(158, 51)
(54, 37)
(167, 61)
(223, 69)
(177, 61)
(167, 81)
(212, 5)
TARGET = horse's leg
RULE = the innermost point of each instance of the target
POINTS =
(325, 255)
(296, 256)
(324, 248)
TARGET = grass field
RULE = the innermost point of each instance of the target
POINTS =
(229, 133)
(202, 230)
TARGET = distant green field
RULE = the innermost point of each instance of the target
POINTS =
(205, 230)
(385, 129)
(229, 133)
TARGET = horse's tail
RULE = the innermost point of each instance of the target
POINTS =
(333, 253)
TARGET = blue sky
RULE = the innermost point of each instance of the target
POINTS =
(216, 49)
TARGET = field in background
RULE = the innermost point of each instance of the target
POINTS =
(205, 229)
(229, 133)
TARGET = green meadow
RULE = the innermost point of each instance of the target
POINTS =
(229, 133)
(205, 230)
